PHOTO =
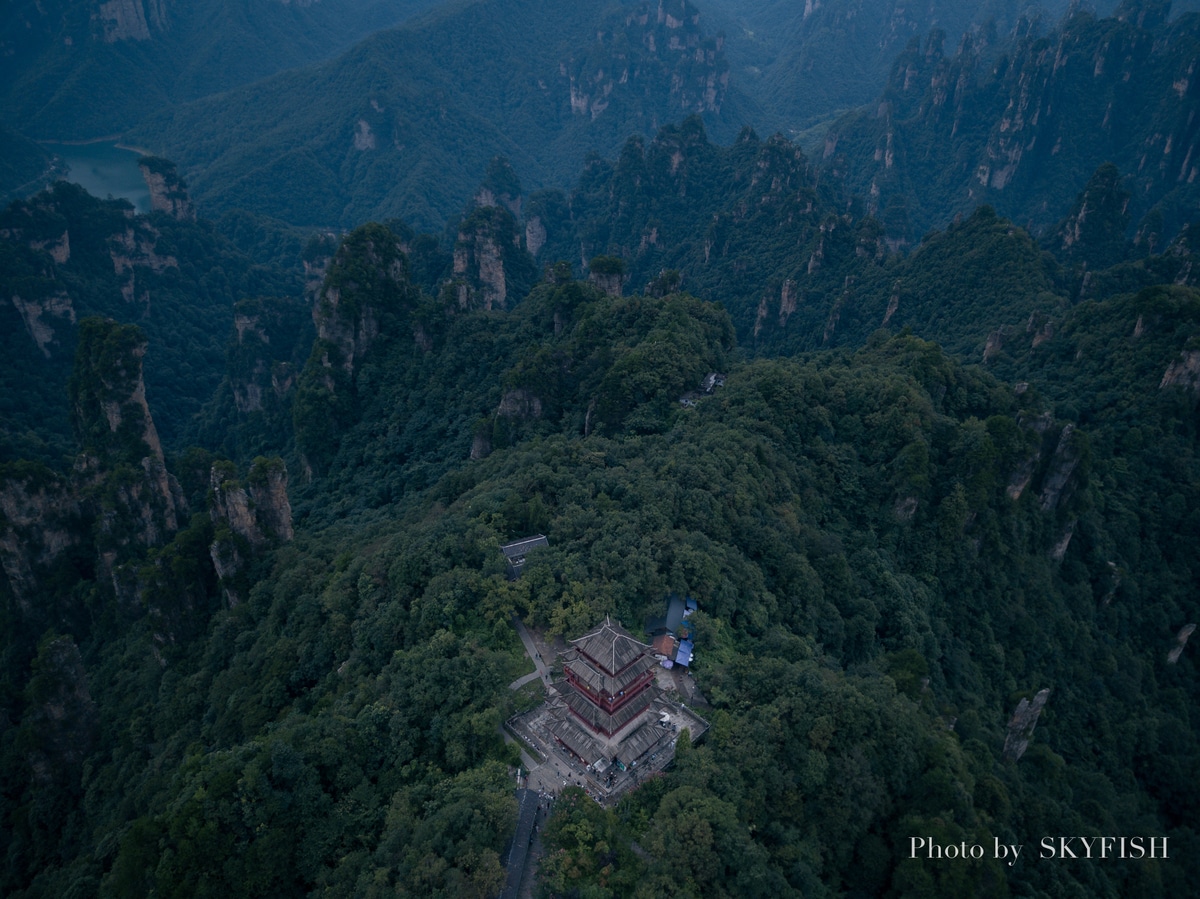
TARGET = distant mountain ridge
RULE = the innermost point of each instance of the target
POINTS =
(763, 230)
(82, 69)
(804, 61)
(405, 122)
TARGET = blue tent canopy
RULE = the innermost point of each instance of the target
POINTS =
(684, 655)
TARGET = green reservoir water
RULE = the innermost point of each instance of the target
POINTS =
(104, 169)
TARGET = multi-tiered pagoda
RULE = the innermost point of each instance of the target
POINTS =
(612, 679)
(609, 709)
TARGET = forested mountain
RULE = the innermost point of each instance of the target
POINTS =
(1023, 127)
(81, 69)
(405, 122)
(761, 229)
(890, 549)
(64, 255)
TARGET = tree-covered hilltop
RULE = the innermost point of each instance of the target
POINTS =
(404, 123)
(78, 70)
(1023, 123)
(890, 550)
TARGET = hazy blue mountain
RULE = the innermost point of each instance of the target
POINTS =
(804, 61)
(404, 123)
(80, 69)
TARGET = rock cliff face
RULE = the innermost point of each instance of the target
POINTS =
(108, 394)
(59, 248)
(168, 192)
(137, 247)
(1022, 723)
(39, 521)
(479, 255)
(535, 235)
(1181, 641)
(519, 403)
(258, 509)
(1066, 458)
(121, 465)
(612, 283)
(63, 722)
(1183, 372)
(66, 256)
(317, 257)
(501, 187)
(247, 385)
(134, 251)
(608, 274)
(1093, 233)
(654, 41)
(489, 263)
(117, 503)
(131, 20)
(38, 242)
(366, 299)
(37, 316)
(367, 280)
(1023, 472)
(247, 516)
(259, 360)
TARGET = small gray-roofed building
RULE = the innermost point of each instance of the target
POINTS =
(515, 552)
(668, 623)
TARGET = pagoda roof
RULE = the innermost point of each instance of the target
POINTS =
(610, 647)
(578, 740)
(600, 720)
(586, 671)
(650, 735)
